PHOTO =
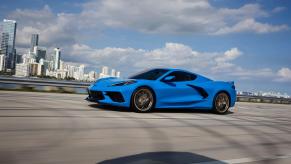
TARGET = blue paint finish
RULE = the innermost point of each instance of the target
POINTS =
(180, 94)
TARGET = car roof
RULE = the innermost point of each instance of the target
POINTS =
(174, 69)
(177, 69)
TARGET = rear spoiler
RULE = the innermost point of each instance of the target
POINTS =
(232, 84)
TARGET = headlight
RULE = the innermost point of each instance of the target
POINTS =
(124, 83)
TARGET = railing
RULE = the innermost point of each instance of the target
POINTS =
(48, 85)
(262, 99)
(42, 85)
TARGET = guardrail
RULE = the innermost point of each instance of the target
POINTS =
(262, 99)
(42, 85)
(61, 86)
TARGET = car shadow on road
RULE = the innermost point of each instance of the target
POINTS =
(161, 158)
(163, 110)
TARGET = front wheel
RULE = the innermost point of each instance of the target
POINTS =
(143, 100)
(221, 103)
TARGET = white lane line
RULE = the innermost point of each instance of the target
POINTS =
(247, 159)
(243, 107)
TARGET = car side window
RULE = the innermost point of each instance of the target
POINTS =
(182, 76)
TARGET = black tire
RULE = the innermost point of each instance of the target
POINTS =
(221, 103)
(143, 100)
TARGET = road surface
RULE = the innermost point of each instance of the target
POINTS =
(45, 128)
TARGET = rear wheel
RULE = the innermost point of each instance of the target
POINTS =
(221, 103)
(143, 100)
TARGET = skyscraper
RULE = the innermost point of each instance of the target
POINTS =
(113, 73)
(2, 62)
(56, 58)
(8, 42)
(4, 43)
(104, 72)
(117, 74)
(81, 72)
(33, 41)
(38, 53)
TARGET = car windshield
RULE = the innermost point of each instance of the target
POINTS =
(153, 74)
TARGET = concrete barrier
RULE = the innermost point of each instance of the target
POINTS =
(42, 85)
(261, 99)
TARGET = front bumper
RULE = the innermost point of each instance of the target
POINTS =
(116, 96)
(91, 99)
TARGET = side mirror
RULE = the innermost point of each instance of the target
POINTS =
(168, 78)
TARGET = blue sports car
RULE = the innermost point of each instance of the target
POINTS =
(164, 88)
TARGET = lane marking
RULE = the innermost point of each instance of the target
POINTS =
(243, 107)
(247, 159)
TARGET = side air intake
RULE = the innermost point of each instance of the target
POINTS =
(201, 91)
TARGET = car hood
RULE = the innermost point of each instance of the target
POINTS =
(109, 81)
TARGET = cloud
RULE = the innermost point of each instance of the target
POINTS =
(229, 55)
(54, 29)
(169, 17)
(217, 65)
(250, 25)
(147, 16)
(176, 55)
(284, 74)
(261, 73)
(278, 9)
(171, 55)
(246, 11)
(179, 16)
(223, 62)
(119, 58)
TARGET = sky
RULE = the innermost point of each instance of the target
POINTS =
(248, 41)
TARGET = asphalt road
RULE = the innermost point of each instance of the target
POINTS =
(38, 128)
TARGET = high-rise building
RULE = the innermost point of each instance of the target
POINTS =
(33, 41)
(4, 43)
(4, 48)
(113, 73)
(62, 65)
(36, 69)
(92, 76)
(105, 72)
(56, 58)
(38, 53)
(19, 59)
(117, 74)
(22, 69)
(45, 64)
(81, 72)
(2, 62)
(71, 70)
(26, 58)
(8, 42)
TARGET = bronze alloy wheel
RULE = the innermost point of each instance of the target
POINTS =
(143, 100)
(221, 103)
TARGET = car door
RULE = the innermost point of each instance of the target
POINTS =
(178, 91)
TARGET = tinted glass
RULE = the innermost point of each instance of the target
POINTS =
(182, 76)
(153, 74)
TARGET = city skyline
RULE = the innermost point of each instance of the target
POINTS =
(247, 42)
(36, 61)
